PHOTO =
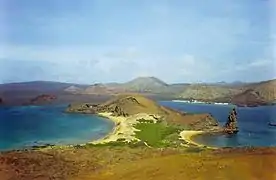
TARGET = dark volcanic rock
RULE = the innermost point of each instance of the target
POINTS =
(231, 126)
(43, 98)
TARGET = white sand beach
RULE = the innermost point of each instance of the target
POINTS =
(124, 127)
(187, 136)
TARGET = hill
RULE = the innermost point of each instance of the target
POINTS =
(103, 89)
(208, 92)
(248, 98)
(41, 86)
(132, 104)
(265, 89)
(145, 85)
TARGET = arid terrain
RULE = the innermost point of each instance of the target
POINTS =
(139, 163)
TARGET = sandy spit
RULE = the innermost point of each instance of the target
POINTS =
(124, 127)
(187, 136)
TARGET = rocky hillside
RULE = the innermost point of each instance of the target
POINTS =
(208, 92)
(266, 89)
(127, 105)
(249, 98)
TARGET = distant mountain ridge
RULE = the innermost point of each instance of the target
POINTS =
(236, 92)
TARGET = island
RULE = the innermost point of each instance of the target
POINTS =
(43, 98)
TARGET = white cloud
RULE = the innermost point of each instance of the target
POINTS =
(90, 64)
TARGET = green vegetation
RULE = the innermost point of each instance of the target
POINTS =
(145, 121)
(152, 134)
(158, 134)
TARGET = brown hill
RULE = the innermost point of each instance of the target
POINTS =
(266, 89)
(103, 89)
(249, 97)
(131, 104)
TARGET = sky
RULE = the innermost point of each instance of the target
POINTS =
(91, 41)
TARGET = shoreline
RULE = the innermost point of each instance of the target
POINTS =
(122, 125)
(123, 129)
(108, 137)
(187, 135)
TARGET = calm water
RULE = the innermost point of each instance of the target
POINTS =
(253, 124)
(33, 125)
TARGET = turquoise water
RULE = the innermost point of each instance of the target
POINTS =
(24, 126)
(253, 124)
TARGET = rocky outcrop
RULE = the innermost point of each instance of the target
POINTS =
(42, 99)
(231, 125)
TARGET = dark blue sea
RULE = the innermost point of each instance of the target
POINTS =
(25, 126)
(253, 124)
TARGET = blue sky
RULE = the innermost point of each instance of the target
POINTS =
(88, 41)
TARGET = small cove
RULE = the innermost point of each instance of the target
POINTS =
(25, 126)
(253, 124)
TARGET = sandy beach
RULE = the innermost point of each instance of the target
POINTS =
(187, 136)
(123, 127)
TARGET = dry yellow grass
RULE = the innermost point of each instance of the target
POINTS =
(122, 163)
(199, 166)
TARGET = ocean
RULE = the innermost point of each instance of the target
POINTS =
(25, 126)
(252, 122)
